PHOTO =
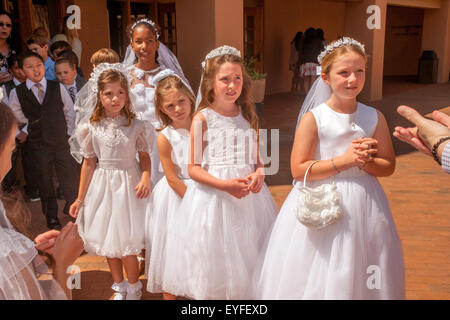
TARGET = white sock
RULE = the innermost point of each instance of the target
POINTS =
(134, 285)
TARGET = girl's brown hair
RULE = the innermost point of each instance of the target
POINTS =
(165, 86)
(244, 101)
(110, 76)
(16, 209)
(328, 60)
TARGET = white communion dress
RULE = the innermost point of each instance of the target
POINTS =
(359, 256)
(222, 235)
(143, 88)
(112, 218)
(23, 274)
(163, 213)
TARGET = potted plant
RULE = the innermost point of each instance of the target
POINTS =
(258, 80)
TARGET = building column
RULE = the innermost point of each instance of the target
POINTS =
(373, 39)
(436, 37)
(94, 32)
(203, 25)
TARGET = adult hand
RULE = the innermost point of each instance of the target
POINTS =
(68, 246)
(5, 77)
(426, 133)
(46, 241)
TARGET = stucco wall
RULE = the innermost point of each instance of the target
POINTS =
(403, 45)
(94, 33)
(281, 23)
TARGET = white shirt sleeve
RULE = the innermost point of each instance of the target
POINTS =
(14, 104)
(69, 111)
(5, 97)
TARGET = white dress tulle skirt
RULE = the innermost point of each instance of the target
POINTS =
(358, 257)
(162, 214)
(220, 238)
(114, 227)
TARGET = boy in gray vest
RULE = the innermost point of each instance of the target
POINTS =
(47, 109)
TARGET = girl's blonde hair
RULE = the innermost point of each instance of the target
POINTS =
(110, 76)
(328, 60)
(165, 86)
(104, 55)
(244, 101)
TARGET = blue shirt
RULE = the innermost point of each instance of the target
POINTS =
(50, 69)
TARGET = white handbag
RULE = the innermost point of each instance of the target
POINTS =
(318, 207)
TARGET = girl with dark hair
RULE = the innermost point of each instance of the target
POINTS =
(20, 263)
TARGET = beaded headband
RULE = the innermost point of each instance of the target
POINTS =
(102, 67)
(339, 43)
(220, 51)
(169, 73)
(148, 22)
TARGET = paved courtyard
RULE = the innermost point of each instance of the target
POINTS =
(418, 192)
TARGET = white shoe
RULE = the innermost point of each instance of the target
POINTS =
(120, 290)
(134, 291)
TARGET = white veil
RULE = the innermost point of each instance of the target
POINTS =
(86, 101)
(318, 94)
(23, 274)
(166, 59)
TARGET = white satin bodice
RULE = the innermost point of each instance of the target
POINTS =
(179, 140)
(230, 141)
(336, 131)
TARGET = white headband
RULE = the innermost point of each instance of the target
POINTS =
(148, 22)
(102, 67)
(339, 43)
(220, 51)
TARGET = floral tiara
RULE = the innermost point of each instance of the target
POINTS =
(147, 22)
(102, 67)
(339, 43)
(220, 51)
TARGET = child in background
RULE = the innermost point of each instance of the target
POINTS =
(40, 45)
(46, 107)
(59, 46)
(67, 75)
(104, 55)
(10, 179)
(110, 208)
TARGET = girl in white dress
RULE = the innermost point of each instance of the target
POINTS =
(146, 58)
(360, 255)
(175, 105)
(228, 210)
(110, 208)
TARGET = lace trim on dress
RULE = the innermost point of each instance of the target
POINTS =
(112, 253)
(109, 131)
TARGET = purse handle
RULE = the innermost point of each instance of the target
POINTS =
(306, 173)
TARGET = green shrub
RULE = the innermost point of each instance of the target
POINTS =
(252, 72)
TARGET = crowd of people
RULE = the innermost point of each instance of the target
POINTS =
(305, 47)
(146, 170)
